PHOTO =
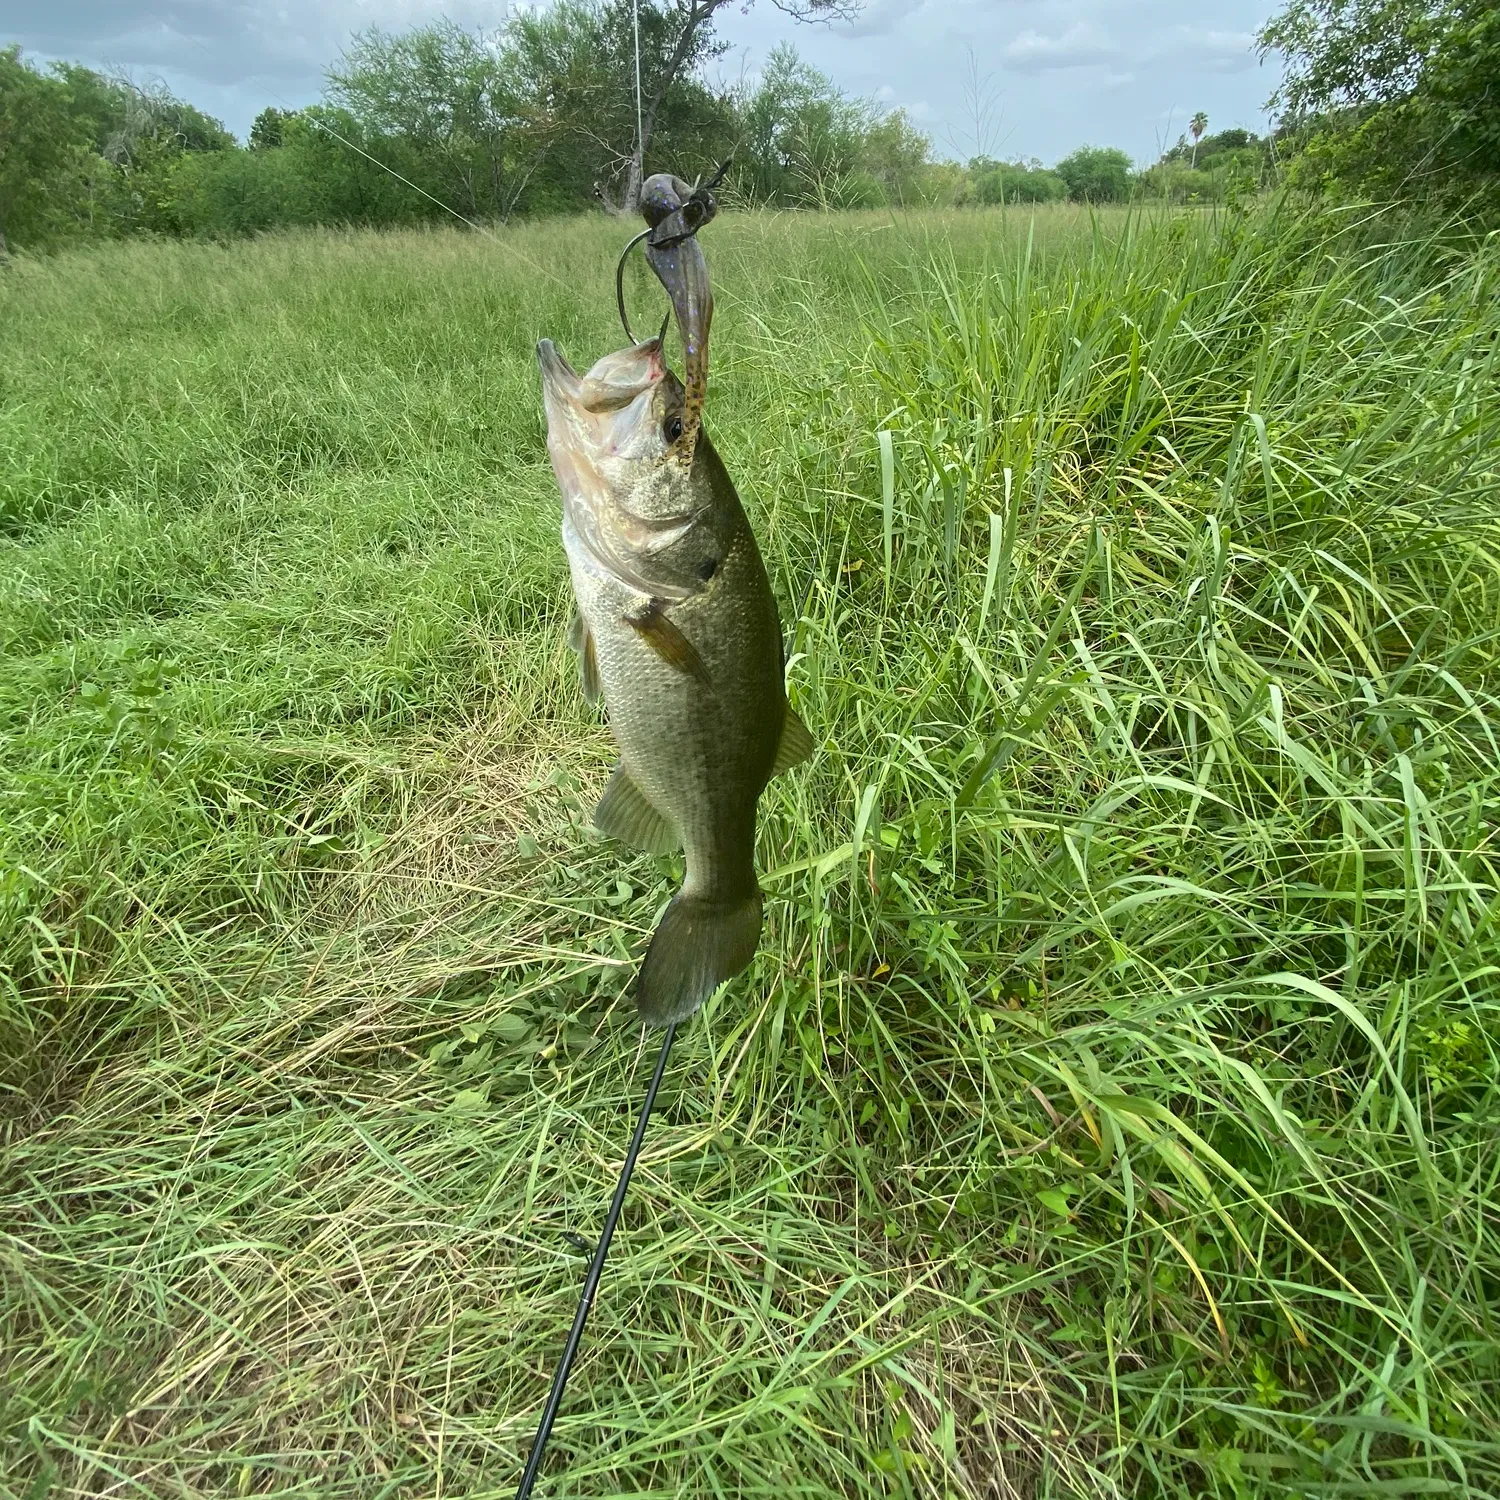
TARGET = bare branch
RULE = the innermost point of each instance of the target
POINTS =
(824, 12)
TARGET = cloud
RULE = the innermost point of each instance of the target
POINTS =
(1080, 46)
(1218, 51)
(880, 17)
(224, 42)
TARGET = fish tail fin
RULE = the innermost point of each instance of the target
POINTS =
(697, 945)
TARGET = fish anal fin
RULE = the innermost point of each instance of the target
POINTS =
(581, 639)
(624, 813)
(652, 623)
(796, 744)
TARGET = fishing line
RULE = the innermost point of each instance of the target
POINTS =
(591, 1281)
(640, 129)
(386, 167)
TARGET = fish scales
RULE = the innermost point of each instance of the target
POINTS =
(680, 627)
(700, 748)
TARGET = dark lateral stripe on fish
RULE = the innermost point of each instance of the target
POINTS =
(651, 623)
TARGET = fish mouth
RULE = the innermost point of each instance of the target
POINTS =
(559, 378)
(612, 384)
(551, 360)
(683, 271)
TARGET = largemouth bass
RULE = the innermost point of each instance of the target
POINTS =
(677, 628)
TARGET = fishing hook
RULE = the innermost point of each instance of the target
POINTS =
(620, 291)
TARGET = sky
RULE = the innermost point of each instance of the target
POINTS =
(1050, 74)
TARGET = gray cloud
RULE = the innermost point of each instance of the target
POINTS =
(1060, 72)
(881, 17)
(229, 57)
(222, 42)
(1080, 45)
(1218, 51)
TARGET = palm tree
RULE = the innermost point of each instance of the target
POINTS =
(1196, 126)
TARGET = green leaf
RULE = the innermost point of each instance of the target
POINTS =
(1055, 1199)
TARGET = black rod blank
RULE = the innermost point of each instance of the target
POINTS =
(591, 1281)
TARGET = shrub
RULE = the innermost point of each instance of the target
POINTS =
(1096, 174)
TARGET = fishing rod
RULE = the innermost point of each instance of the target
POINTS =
(591, 1281)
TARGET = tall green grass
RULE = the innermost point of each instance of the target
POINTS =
(1112, 1107)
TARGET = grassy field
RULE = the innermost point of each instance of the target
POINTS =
(1113, 1106)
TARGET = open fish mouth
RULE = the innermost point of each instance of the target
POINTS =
(589, 419)
(613, 383)
(557, 373)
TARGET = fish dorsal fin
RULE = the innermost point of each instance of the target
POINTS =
(581, 639)
(624, 813)
(796, 743)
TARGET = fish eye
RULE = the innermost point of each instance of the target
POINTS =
(673, 429)
(707, 568)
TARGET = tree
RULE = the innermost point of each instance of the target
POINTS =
(1392, 95)
(448, 93)
(1015, 182)
(800, 138)
(894, 156)
(1225, 165)
(140, 133)
(688, 37)
(576, 60)
(1096, 174)
(269, 129)
(528, 117)
(1346, 53)
(311, 177)
(1196, 126)
(133, 123)
(43, 144)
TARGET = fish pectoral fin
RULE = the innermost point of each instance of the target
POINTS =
(653, 625)
(624, 813)
(581, 639)
(796, 744)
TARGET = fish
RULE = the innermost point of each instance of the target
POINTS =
(677, 630)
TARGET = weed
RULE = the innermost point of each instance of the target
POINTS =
(1112, 1106)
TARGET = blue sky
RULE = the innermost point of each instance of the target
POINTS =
(1058, 73)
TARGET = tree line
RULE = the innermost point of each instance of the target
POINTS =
(540, 116)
